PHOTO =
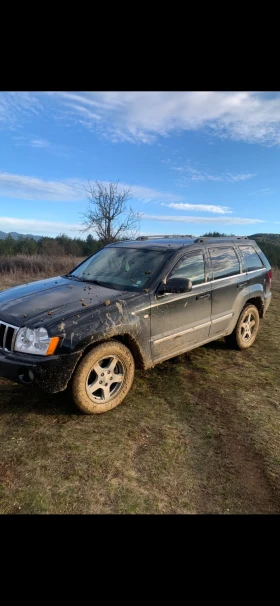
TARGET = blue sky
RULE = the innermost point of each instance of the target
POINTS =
(195, 161)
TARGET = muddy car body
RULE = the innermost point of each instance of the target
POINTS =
(158, 297)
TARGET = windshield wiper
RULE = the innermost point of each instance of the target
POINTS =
(97, 282)
(72, 277)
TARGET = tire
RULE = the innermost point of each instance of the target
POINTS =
(244, 334)
(93, 389)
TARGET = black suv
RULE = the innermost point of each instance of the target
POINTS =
(132, 303)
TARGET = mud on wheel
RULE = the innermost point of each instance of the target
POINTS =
(103, 378)
(246, 328)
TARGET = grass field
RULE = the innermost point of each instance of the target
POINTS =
(196, 434)
(22, 268)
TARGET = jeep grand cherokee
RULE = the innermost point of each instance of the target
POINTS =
(133, 303)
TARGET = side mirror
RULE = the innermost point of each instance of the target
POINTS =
(175, 285)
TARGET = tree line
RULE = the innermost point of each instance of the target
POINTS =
(60, 246)
(63, 246)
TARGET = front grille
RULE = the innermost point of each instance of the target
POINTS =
(7, 336)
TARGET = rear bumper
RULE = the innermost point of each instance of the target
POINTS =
(51, 374)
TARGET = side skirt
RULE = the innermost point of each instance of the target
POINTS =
(181, 351)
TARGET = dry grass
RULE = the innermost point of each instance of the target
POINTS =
(276, 274)
(196, 434)
(22, 268)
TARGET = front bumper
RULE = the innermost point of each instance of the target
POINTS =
(51, 374)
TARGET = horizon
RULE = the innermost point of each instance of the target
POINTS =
(195, 161)
(37, 236)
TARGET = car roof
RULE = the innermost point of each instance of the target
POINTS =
(176, 243)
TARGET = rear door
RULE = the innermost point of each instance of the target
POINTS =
(254, 264)
(227, 282)
(179, 321)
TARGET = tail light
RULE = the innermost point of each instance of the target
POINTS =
(269, 277)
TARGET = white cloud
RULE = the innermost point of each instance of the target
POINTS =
(208, 208)
(253, 117)
(187, 219)
(200, 175)
(28, 140)
(34, 188)
(146, 194)
(15, 105)
(41, 143)
(265, 191)
(142, 116)
(88, 115)
(38, 227)
(238, 177)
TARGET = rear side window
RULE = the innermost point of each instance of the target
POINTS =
(190, 267)
(251, 258)
(224, 261)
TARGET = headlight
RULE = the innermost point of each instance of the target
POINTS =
(35, 341)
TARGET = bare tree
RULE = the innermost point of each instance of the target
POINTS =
(108, 213)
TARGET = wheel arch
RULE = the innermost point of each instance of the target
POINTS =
(258, 302)
(127, 340)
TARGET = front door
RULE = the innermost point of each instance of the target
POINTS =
(179, 321)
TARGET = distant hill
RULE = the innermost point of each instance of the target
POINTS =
(270, 245)
(267, 237)
(16, 236)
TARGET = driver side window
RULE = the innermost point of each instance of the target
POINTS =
(190, 267)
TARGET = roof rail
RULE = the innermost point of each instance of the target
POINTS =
(163, 237)
(220, 238)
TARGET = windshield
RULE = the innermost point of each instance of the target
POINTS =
(122, 268)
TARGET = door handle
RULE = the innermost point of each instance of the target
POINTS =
(242, 285)
(205, 295)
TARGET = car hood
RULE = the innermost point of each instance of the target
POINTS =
(46, 300)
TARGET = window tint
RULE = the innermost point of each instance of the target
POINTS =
(191, 268)
(224, 262)
(251, 258)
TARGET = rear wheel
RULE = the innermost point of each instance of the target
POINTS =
(246, 328)
(103, 378)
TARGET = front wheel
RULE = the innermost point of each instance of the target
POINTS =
(103, 378)
(246, 328)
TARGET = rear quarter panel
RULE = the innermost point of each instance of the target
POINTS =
(256, 288)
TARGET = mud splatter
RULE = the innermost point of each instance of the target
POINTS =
(120, 307)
